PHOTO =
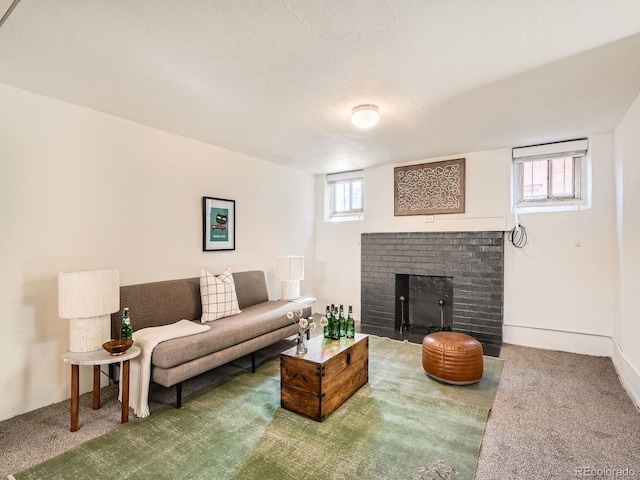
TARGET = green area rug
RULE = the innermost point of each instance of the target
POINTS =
(401, 425)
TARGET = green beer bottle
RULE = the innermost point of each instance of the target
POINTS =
(335, 328)
(351, 324)
(343, 322)
(125, 330)
(327, 327)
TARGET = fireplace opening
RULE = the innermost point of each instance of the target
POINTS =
(424, 304)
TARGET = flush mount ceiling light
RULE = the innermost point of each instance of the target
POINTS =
(365, 116)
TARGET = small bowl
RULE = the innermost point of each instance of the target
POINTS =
(117, 347)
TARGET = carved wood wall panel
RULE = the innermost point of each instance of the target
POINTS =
(429, 188)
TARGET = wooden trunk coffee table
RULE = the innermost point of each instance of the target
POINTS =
(318, 382)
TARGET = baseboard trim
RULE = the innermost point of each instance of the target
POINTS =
(627, 372)
(564, 341)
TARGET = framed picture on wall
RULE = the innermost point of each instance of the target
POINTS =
(218, 224)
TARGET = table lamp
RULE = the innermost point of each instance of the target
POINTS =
(87, 299)
(290, 272)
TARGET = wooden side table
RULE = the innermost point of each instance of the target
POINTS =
(97, 358)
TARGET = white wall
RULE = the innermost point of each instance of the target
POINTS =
(559, 288)
(557, 295)
(626, 331)
(83, 190)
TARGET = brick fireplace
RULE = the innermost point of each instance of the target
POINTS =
(472, 261)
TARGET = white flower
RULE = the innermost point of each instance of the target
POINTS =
(303, 323)
(324, 322)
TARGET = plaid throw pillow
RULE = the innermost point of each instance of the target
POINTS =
(218, 294)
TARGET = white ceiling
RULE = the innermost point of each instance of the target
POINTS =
(276, 79)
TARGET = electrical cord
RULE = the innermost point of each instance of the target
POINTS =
(518, 236)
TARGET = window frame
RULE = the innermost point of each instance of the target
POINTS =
(341, 179)
(575, 149)
(550, 197)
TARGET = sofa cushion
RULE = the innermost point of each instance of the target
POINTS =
(254, 321)
(251, 288)
(158, 303)
(218, 295)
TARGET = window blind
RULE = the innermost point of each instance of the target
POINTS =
(337, 177)
(570, 148)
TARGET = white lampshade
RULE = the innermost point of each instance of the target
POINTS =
(290, 272)
(365, 116)
(291, 268)
(87, 299)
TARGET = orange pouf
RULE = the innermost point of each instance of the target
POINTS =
(452, 357)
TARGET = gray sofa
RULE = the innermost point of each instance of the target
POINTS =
(261, 323)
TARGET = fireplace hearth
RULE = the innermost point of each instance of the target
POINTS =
(420, 282)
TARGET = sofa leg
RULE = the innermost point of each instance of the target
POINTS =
(179, 395)
(253, 362)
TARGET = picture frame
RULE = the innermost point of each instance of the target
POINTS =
(430, 188)
(218, 224)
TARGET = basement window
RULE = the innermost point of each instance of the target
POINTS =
(346, 196)
(550, 177)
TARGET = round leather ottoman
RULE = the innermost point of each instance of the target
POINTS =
(452, 357)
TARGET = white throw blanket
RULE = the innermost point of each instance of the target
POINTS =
(140, 367)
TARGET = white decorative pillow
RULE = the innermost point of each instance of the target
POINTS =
(218, 294)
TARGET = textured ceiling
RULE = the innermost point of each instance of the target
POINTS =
(277, 79)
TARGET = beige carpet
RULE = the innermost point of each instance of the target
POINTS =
(554, 412)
